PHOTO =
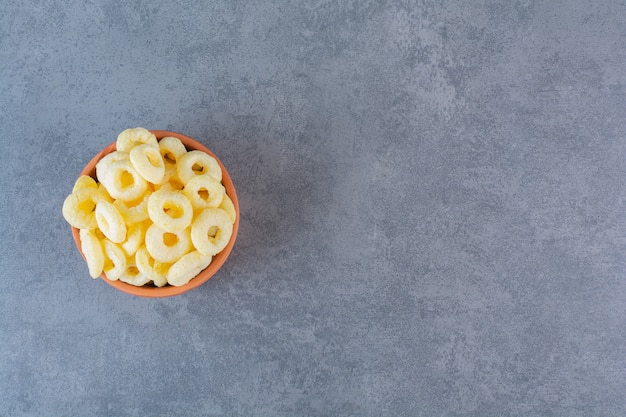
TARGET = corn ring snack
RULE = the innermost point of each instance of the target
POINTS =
(170, 210)
(187, 267)
(110, 222)
(204, 191)
(92, 249)
(166, 246)
(197, 163)
(103, 166)
(211, 231)
(130, 138)
(135, 237)
(153, 269)
(114, 260)
(79, 207)
(148, 163)
(171, 149)
(124, 183)
(84, 181)
(133, 276)
(228, 206)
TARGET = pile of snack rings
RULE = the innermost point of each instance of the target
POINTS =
(157, 213)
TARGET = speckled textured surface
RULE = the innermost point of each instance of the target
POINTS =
(432, 194)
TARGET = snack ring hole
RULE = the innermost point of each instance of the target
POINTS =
(169, 158)
(170, 239)
(203, 193)
(214, 234)
(198, 169)
(173, 210)
(126, 179)
(176, 184)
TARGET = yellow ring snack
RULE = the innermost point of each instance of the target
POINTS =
(187, 267)
(171, 149)
(211, 231)
(148, 162)
(103, 166)
(130, 138)
(204, 191)
(92, 249)
(84, 181)
(110, 222)
(170, 210)
(79, 208)
(228, 206)
(114, 260)
(166, 246)
(197, 163)
(133, 276)
(124, 183)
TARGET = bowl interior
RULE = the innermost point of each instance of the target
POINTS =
(218, 260)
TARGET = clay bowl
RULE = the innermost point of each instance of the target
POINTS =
(218, 260)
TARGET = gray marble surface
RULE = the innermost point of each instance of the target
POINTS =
(432, 202)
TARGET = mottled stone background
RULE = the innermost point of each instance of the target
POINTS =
(432, 195)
